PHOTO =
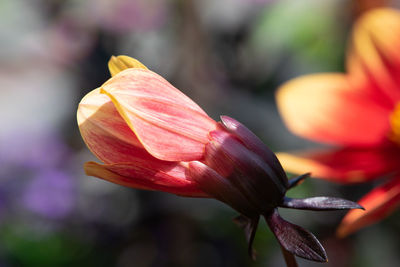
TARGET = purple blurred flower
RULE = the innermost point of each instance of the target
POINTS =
(50, 193)
(32, 173)
(35, 151)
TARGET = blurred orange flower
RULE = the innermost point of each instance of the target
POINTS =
(359, 112)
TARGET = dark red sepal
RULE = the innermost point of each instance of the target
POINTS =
(319, 203)
(220, 188)
(295, 239)
(254, 144)
(297, 180)
(250, 228)
(246, 170)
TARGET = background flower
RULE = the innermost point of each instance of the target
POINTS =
(357, 111)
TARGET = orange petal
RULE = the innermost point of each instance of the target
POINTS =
(168, 123)
(374, 58)
(148, 175)
(325, 108)
(348, 165)
(105, 132)
(378, 204)
(120, 63)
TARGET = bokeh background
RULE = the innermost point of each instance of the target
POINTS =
(229, 56)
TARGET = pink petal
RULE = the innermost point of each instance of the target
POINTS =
(149, 175)
(326, 108)
(168, 123)
(378, 204)
(105, 132)
(348, 165)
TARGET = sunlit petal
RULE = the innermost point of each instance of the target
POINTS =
(325, 108)
(120, 63)
(168, 123)
(347, 165)
(378, 204)
(374, 58)
(105, 132)
(149, 175)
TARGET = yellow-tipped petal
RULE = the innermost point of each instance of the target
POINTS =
(120, 63)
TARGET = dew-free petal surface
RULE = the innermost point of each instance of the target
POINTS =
(325, 108)
(120, 63)
(148, 175)
(104, 130)
(347, 165)
(168, 123)
(378, 204)
(374, 56)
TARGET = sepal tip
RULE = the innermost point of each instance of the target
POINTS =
(319, 203)
(295, 239)
(250, 228)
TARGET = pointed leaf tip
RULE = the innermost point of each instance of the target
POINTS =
(295, 239)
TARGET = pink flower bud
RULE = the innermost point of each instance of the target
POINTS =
(151, 136)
